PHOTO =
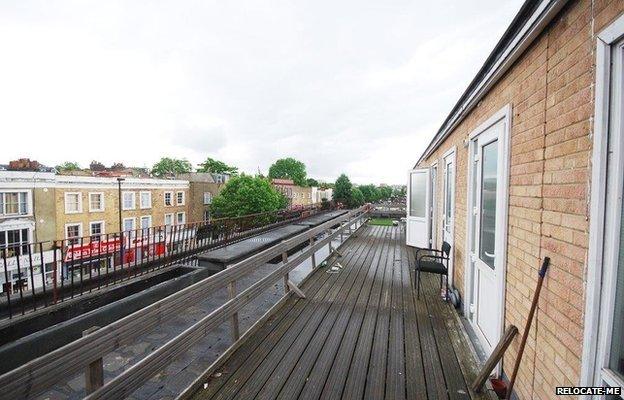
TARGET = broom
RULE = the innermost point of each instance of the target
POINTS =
(525, 334)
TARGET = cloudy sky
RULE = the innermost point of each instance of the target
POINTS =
(345, 86)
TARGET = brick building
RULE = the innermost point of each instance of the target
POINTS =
(524, 167)
(296, 195)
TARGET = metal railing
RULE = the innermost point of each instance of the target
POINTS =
(85, 354)
(38, 275)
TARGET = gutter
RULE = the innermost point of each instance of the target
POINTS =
(527, 25)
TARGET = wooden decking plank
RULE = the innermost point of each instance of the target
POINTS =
(343, 329)
(455, 384)
(395, 371)
(416, 386)
(336, 375)
(286, 336)
(304, 351)
(253, 359)
(376, 377)
(434, 376)
(286, 314)
(356, 378)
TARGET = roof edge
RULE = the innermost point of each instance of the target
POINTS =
(529, 22)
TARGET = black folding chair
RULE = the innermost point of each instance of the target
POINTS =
(435, 262)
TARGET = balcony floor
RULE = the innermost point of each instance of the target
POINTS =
(360, 333)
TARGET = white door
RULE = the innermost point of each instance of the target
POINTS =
(448, 219)
(418, 205)
(486, 307)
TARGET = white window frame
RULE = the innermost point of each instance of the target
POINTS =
(123, 224)
(604, 224)
(148, 217)
(101, 194)
(502, 210)
(141, 206)
(209, 196)
(5, 231)
(177, 197)
(28, 203)
(67, 211)
(79, 225)
(165, 199)
(183, 218)
(102, 223)
(123, 200)
(169, 215)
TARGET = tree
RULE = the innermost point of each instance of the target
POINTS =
(385, 192)
(342, 190)
(97, 166)
(244, 194)
(68, 166)
(312, 182)
(117, 166)
(289, 168)
(217, 167)
(171, 166)
(357, 198)
(370, 192)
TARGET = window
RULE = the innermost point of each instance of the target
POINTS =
(73, 233)
(180, 198)
(206, 215)
(207, 198)
(168, 219)
(489, 174)
(96, 202)
(128, 201)
(168, 198)
(146, 199)
(128, 224)
(96, 229)
(180, 218)
(146, 223)
(418, 195)
(14, 203)
(15, 241)
(73, 203)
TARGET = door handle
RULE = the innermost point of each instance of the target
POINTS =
(489, 254)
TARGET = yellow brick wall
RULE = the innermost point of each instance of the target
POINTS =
(550, 89)
(110, 215)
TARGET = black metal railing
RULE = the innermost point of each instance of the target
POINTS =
(41, 274)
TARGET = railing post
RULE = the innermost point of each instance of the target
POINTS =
(286, 276)
(234, 318)
(313, 254)
(329, 243)
(94, 375)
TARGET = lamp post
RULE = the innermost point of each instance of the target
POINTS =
(121, 236)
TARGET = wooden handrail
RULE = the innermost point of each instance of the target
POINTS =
(43, 372)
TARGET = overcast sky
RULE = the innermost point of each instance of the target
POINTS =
(358, 87)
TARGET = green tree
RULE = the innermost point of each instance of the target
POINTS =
(342, 190)
(246, 194)
(370, 192)
(312, 182)
(171, 166)
(68, 166)
(357, 198)
(217, 167)
(289, 168)
(385, 192)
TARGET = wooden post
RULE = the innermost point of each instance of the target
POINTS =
(494, 358)
(331, 248)
(94, 374)
(313, 254)
(286, 277)
(234, 318)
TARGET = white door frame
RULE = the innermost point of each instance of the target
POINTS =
(604, 221)
(426, 218)
(502, 211)
(450, 154)
(433, 239)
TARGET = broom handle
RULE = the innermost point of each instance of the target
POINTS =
(525, 334)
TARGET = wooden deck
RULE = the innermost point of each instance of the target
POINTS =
(360, 333)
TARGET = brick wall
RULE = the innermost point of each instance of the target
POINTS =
(550, 89)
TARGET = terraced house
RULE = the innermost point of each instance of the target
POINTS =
(530, 164)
